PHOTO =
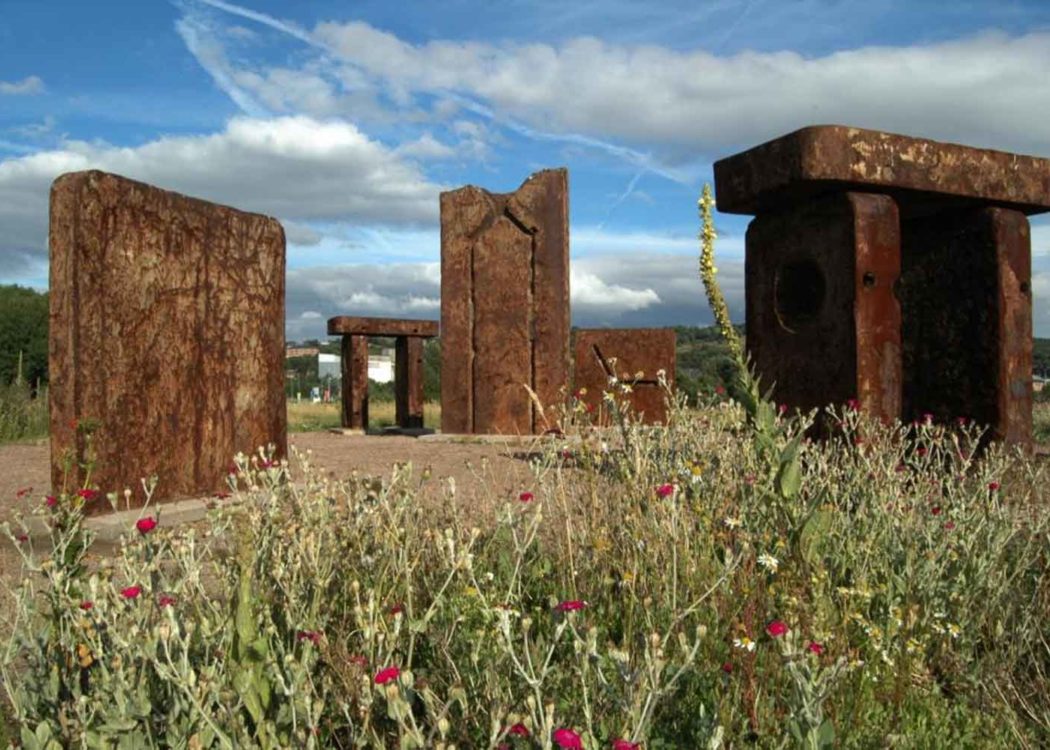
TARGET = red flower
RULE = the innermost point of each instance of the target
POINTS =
(935, 510)
(526, 497)
(920, 451)
(311, 635)
(166, 600)
(51, 501)
(720, 390)
(783, 409)
(23, 538)
(993, 486)
(267, 463)
(518, 730)
(620, 744)
(566, 455)
(87, 495)
(567, 739)
(23, 492)
(815, 648)
(232, 470)
(571, 606)
(397, 609)
(665, 490)
(776, 628)
(383, 676)
(131, 592)
(853, 404)
(728, 667)
(86, 605)
(949, 526)
(146, 525)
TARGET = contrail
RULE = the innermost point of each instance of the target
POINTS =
(266, 20)
(637, 158)
(623, 196)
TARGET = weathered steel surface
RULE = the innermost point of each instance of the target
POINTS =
(345, 324)
(823, 324)
(504, 304)
(408, 381)
(966, 293)
(924, 176)
(354, 371)
(166, 330)
(633, 356)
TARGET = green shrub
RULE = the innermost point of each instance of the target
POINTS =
(23, 413)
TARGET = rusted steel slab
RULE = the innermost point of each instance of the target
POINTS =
(966, 291)
(354, 370)
(823, 323)
(633, 356)
(922, 175)
(351, 325)
(504, 305)
(166, 333)
(408, 381)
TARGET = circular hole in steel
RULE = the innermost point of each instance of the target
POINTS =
(869, 280)
(798, 293)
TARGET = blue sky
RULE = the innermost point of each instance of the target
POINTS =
(345, 120)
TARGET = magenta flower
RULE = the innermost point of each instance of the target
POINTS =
(665, 490)
(166, 600)
(567, 739)
(146, 525)
(518, 730)
(87, 606)
(728, 667)
(993, 486)
(87, 495)
(311, 635)
(131, 592)
(23, 538)
(526, 497)
(776, 628)
(621, 744)
(853, 404)
(815, 648)
(383, 676)
(50, 501)
(571, 605)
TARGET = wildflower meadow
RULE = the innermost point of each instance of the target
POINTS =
(721, 581)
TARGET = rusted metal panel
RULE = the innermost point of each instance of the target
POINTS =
(408, 385)
(502, 335)
(1013, 242)
(346, 324)
(354, 367)
(823, 325)
(166, 330)
(924, 176)
(634, 356)
(541, 205)
(966, 296)
(504, 304)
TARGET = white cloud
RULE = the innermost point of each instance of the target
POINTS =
(985, 90)
(28, 85)
(592, 294)
(294, 168)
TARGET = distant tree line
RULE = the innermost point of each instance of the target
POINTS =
(23, 331)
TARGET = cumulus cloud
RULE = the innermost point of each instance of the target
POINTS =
(28, 85)
(696, 99)
(294, 168)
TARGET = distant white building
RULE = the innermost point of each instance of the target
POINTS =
(328, 366)
(380, 366)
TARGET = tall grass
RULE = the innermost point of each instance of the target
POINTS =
(23, 413)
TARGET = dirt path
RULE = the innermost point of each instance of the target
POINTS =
(25, 466)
